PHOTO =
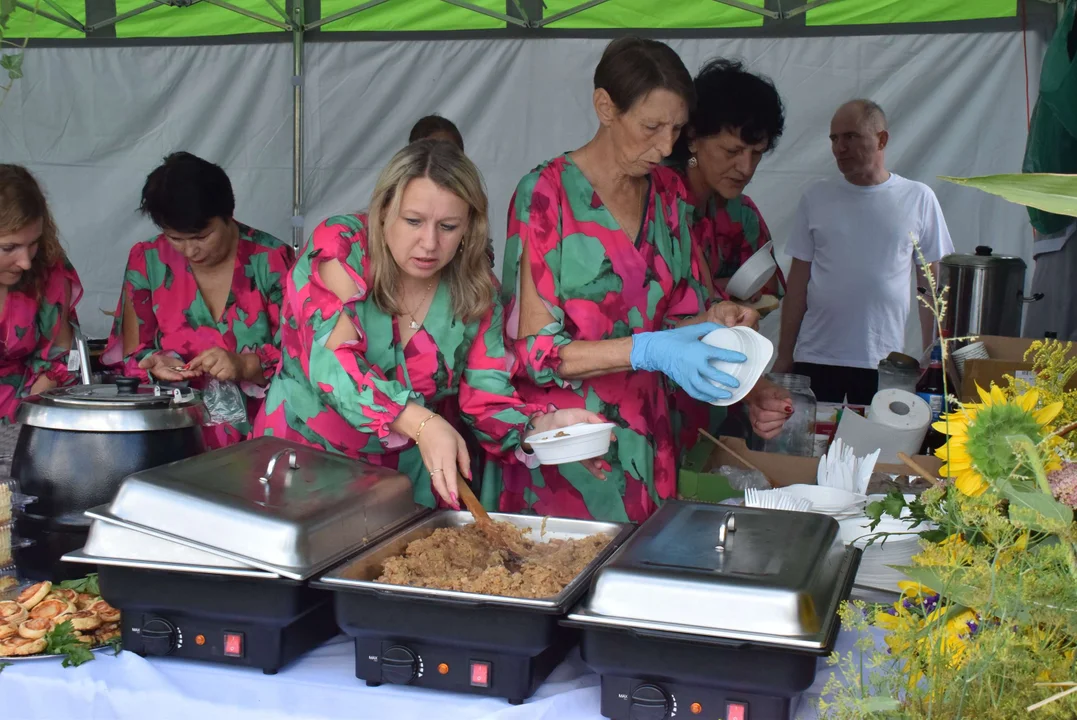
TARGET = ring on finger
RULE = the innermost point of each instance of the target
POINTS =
(435, 471)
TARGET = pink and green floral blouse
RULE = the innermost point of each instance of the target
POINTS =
(174, 319)
(345, 400)
(30, 326)
(724, 238)
(599, 284)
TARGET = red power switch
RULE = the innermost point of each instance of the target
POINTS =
(233, 644)
(736, 711)
(480, 674)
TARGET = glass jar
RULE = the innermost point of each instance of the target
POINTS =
(798, 434)
(899, 371)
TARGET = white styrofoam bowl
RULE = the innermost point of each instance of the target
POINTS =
(574, 443)
(755, 347)
(753, 274)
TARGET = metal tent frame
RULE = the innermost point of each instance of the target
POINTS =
(291, 19)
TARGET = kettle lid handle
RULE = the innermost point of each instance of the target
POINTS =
(983, 250)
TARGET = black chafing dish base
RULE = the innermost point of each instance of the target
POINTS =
(653, 675)
(459, 642)
(707, 654)
(654, 679)
(246, 622)
(464, 648)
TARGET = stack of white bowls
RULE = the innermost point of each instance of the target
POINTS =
(753, 274)
(756, 348)
(973, 351)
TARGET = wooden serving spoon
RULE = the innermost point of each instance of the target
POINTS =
(513, 560)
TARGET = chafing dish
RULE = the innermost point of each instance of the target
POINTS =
(727, 608)
(265, 503)
(463, 642)
(220, 546)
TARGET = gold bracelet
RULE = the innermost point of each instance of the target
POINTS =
(419, 432)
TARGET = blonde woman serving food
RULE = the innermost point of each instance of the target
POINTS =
(390, 319)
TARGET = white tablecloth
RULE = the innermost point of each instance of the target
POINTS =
(320, 686)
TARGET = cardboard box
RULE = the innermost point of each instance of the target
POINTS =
(1007, 358)
(699, 478)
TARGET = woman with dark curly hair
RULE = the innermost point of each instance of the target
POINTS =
(738, 118)
(38, 293)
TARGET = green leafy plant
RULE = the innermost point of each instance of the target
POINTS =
(11, 53)
(1048, 192)
(86, 585)
(986, 626)
(63, 641)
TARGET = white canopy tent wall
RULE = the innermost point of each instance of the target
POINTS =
(91, 120)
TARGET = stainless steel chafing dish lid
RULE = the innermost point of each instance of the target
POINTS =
(267, 503)
(115, 545)
(733, 573)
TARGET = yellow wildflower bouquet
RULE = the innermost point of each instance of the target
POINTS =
(986, 626)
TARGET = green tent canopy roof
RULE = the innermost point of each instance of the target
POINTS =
(66, 19)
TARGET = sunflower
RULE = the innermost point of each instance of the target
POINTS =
(977, 447)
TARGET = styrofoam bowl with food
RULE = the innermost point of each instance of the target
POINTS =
(582, 441)
(753, 274)
(757, 350)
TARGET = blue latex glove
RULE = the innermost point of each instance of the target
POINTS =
(682, 356)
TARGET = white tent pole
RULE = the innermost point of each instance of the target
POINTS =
(750, 8)
(489, 13)
(297, 124)
(280, 11)
(567, 13)
(73, 24)
(248, 13)
(71, 20)
(806, 7)
(125, 16)
(344, 13)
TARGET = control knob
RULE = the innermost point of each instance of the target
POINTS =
(399, 665)
(649, 702)
(159, 637)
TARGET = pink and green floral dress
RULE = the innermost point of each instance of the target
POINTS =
(724, 238)
(599, 284)
(345, 400)
(30, 326)
(173, 317)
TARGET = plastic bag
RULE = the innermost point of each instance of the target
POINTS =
(225, 403)
(743, 479)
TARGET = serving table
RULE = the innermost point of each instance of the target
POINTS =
(319, 686)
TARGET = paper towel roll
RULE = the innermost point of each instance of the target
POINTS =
(897, 421)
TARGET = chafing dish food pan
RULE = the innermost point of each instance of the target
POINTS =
(486, 644)
(266, 503)
(725, 607)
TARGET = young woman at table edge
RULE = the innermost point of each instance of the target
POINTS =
(201, 301)
(38, 292)
(603, 290)
(389, 316)
(716, 157)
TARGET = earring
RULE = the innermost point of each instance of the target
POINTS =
(692, 162)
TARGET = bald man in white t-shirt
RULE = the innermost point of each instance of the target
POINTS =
(847, 297)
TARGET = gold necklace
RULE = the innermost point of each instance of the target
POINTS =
(414, 325)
